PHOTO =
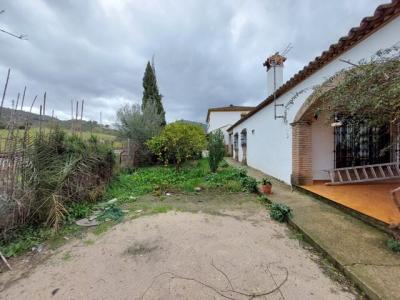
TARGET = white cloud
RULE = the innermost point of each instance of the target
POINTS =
(208, 53)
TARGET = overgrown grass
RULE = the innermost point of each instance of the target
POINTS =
(30, 237)
(160, 180)
(126, 188)
(86, 135)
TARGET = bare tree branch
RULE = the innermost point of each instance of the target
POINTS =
(348, 62)
(227, 294)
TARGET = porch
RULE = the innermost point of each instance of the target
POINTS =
(360, 158)
(373, 200)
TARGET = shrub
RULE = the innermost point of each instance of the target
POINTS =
(249, 184)
(242, 172)
(139, 126)
(177, 143)
(280, 212)
(216, 149)
(394, 245)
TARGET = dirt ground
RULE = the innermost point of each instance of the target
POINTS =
(228, 254)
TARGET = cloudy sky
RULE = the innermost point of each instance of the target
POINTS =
(208, 53)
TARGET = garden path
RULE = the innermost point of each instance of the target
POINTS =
(357, 248)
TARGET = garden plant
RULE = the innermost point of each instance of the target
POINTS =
(216, 149)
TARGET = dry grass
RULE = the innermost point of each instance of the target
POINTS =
(103, 137)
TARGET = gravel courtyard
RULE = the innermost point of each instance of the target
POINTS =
(230, 253)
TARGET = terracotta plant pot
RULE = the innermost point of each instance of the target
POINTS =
(266, 189)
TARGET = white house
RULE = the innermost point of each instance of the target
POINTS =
(289, 144)
(224, 117)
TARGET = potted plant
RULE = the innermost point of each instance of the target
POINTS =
(266, 186)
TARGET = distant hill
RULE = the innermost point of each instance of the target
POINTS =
(20, 116)
(87, 126)
(34, 119)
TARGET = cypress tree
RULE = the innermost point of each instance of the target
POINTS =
(151, 95)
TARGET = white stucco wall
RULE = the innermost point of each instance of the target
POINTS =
(223, 120)
(274, 81)
(218, 119)
(322, 148)
(269, 149)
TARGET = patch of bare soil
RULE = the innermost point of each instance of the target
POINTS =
(181, 255)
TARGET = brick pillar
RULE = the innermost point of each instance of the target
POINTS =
(301, 153)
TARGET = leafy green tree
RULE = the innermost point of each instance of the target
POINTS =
(151, 94)
(177, 143)
(216, 149)
(138, 126)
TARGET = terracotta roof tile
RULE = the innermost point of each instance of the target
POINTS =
(229, 108)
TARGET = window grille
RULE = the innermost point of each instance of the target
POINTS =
(236, 142)
(357, 144)
(243, 138)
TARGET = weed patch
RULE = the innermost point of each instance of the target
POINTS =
(78, 210)
(67, 256)
(29, 237)
(103, 227)
(88, 242)
(26, 239)
(280, 212)
(162, 179)
(394, 245)
(295, 235)
(161, 209)
(264, 199)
